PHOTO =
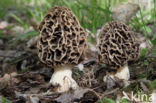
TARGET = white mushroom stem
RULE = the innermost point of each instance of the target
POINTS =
(122, 73)
(62, 77)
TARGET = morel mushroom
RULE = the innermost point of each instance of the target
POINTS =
(61, 45)
(117, 46)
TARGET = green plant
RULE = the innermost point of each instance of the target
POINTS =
(92, 14)
(22, 23)
(1, 34)
(124, 100)
(107, 100)
(143, 18)
(4, 6)
(24, 36)
(143, 53)
(152, 85)
(4, 100)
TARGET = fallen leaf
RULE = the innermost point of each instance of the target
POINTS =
(144, 87)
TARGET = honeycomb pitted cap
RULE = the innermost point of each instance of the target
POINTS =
(117, 45)
(62, 40)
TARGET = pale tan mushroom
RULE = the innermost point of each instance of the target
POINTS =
(61, 45)
(117, 46)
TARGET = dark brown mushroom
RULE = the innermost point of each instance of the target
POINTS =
(118, 45)
(59, 45)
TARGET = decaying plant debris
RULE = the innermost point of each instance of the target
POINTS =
(24, 79)
(32, 86)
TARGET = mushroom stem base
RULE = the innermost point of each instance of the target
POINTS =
(62, 77)
(122, 73)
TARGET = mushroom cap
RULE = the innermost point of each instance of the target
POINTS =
(62, 40)
(117, 45)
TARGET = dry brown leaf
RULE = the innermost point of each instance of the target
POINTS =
(144, 87)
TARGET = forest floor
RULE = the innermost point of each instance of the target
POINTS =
(24, 79)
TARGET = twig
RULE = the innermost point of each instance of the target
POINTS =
(110, 92)
(98, 86)
(18, 94)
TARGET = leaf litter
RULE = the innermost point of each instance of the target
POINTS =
(24, 79)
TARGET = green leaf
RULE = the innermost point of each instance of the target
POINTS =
(17, 18)
(5, 100)
(146, 29)
(124, 100)
(153, 41)
(24, 36)
(1, 33)
(143, 52)
(107, 100)
(27, 35)
(152, 85)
